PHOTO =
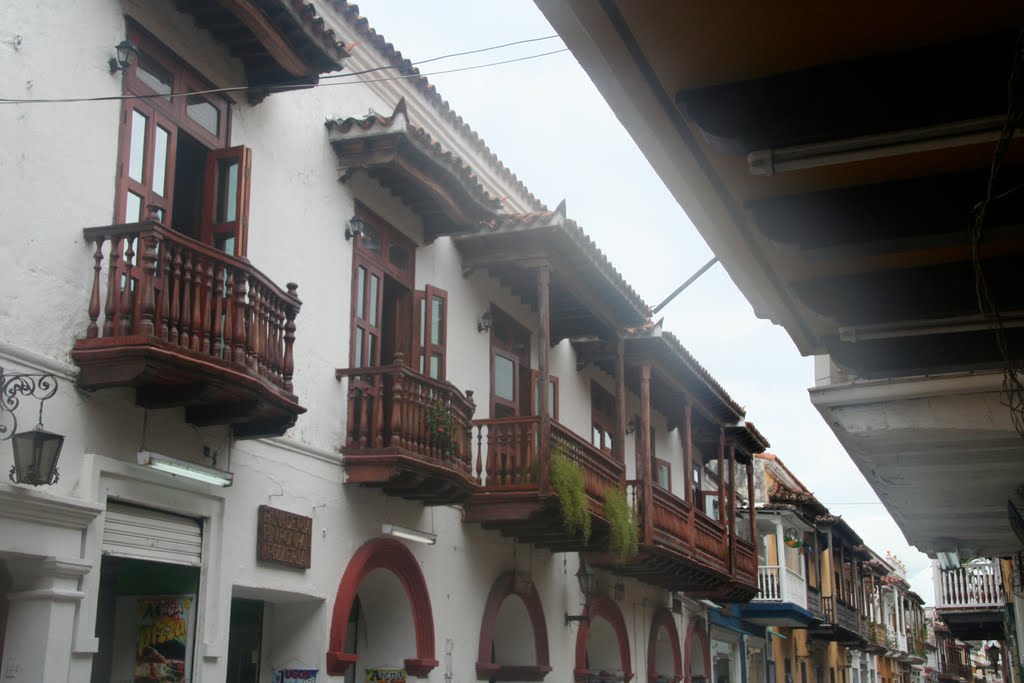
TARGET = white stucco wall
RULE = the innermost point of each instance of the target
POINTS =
(57, 176)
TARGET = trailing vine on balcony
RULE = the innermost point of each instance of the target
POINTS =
(624, 534)
(440, 425)
(569, 485)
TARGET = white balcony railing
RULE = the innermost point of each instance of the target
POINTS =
(977, 585)
(781, 584)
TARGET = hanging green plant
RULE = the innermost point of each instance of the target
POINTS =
(623, 533)
(440, 424)
(568, 484)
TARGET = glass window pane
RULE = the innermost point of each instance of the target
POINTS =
(155, 76)
(160, 161)
(399, 257)
(202, 112)
(137, 150)
(595, 436)
(358, 363)
(371, 353)
(374, 284)
(133, 208)
(435, 366)
(370, 240)
(227, 191)
(423, 324)
(436, 320)
(551, 397)
(504, 378)
(421, 364)
(225, 242)
(360, 291)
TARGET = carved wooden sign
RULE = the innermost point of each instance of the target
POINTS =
(284, 537)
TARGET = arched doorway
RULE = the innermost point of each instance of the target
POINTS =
(602, 645)
(395, 558)
(664, 658)
(698, 652)
(505, 652)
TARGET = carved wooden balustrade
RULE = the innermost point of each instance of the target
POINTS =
(189, 325)
(511, 498)
(408, 434)
(746, 561)
(711, 540)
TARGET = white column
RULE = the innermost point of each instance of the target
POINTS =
(41, 618)
(781, 552)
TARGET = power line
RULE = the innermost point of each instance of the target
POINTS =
(240, 88)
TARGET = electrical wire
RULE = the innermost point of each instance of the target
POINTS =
(287, 85)
(1013, 387)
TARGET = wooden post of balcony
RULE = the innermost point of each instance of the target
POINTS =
(780, 550)
(688, 452)
(543, 348)
(288, 364)
(93, 330)
(732, 506)
(147, 324)
(842, 572)
(619, 444)
(111, 313)
(721, 475)
(750, 503)
(830, 568)
(644, 465)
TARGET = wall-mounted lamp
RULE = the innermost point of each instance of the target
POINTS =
(36, 451)
(585, 578)
(126, 54)
(356, 228)
(183, 468)
(485, 322)
(414, 535)
(633, 425)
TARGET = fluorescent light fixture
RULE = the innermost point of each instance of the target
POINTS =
(409, 534)
(880, 146)
(182, 468)
(948, 559)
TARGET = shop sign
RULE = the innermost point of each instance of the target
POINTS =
(295, 676)
(163, 639)
(386, 675)
(284, 537)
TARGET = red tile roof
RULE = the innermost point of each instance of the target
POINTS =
(350, 12)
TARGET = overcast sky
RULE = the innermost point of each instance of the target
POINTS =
(546, 121)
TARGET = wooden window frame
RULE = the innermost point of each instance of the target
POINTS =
(520, 357)
(390, 236)
(658, 464)
(534, 384)
(423, 348)
(602, 400)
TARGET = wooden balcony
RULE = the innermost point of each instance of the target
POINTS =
(511, 497)
(970, 600)
(408, 434)
(685, 551)
(187, 325)
(841, 623)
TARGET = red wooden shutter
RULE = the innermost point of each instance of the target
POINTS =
(225, 221)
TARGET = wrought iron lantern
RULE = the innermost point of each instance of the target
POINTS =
(356, 228)
(587, 583)
(36, 451)
(126, 54)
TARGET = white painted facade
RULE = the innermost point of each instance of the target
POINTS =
(57, 175)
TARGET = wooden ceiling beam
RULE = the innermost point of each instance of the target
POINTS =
(261, 27)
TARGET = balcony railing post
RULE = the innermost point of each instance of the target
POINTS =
(124, 324)
(543, 349)
(218, 311)
(147, 325)
(207, 343)
(397, 402)
(185, 322)
(94, 298)
(238, 327)
(175, 307)
(111, 312)
(288, 365)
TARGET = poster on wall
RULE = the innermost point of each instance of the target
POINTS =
(386, 675)
(163, 638)
(295, 676)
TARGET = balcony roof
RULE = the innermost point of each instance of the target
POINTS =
(282, 43)
(588, 296)
(438, 185)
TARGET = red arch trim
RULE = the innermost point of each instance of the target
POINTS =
(603, 608)
(503, 587)
(699, 629)
(383, 553)
(663, 620)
